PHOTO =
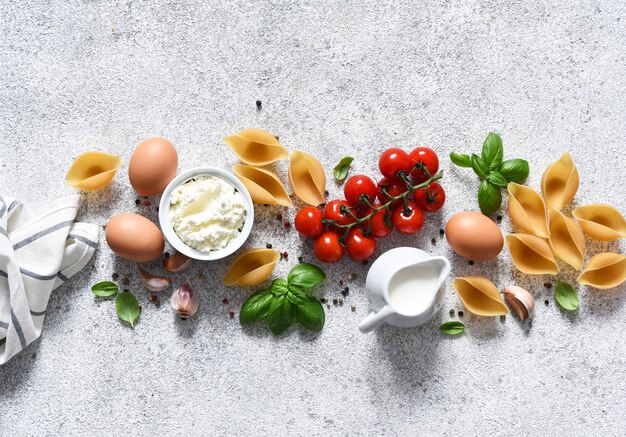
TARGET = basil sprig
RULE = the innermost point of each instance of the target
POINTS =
(492, 171)
(341, 170)
(566, 296)
(286, 300)
(452, 328)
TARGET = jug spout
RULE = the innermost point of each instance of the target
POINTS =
(375, 319)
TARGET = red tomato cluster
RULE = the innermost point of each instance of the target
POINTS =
(372, 210)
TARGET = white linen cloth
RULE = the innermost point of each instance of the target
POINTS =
(38, 252)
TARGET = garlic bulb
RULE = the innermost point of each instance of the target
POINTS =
(184, 300)
(176, 263)
(521, 301)
(154, 283)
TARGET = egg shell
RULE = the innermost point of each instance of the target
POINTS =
(474, 236)
(134, 237)
(152, 166)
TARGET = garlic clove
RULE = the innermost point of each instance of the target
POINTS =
(184, 301)
(176, 263)
(520, 300)
(154, 283)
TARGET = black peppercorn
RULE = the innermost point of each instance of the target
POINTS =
(471, 263)
(268, 246)
(460, 313)
(259, 104)
(441, 232)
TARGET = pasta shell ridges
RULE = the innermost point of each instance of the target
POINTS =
(604, 270)
(307, 178)
(251, 267)
(527, 210)
(531, 255)
(92, 170)
(559, 182)
(566, 239)
(256, 147)
(263, 185)
(601, 221)
(480, 296)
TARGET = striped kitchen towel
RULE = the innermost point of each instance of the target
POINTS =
(38, 252)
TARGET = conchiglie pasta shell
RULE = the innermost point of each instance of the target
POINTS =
(604, 270)
(567, 239)
(480, 296)
(601, 222)
(527, 210)
(92, 170)
(559, 182)
(263, 185)
(307, 178)
(251, 267)
(531, 254)
(256, 147)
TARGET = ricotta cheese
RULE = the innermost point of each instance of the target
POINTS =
(207, 212)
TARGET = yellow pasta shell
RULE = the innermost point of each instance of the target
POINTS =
(251, 267)
(92, 170)
(263, 185)
(256, 146)
(559, 182)
(567, 239)
(604, 270)
(527, 210)
(531, 254)
(480, 296)
(307, 178)
(601, 222)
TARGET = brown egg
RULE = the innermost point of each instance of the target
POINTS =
(474, 236)
(134, 237)
(152, 166)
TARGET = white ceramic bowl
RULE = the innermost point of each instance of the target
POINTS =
(168, 230)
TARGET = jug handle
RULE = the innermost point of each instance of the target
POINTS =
(374, 319)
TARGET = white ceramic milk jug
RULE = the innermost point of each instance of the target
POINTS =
(404, 287)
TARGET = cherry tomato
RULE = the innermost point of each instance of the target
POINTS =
(430, 160)
(333, 212)
(358, 246)
(394, 187)
(408, 224)
(358, 186)
(309, 222)
(393, 160)
(430, 198)
(327, 247)
(379, 228)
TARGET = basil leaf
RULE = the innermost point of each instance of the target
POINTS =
(461, 160)
(305, 276)
(127, 307)
(256, 307)
(104, 289)
(497, 179)
(489, 198)
(280, 317)
(341, 170)
(478, 165)
(296, 296)
(279, 287)
(492, 151)
(566, 296)
(452, 328)
(514, 170)
(311, 314)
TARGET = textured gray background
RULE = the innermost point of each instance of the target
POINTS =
(343, 78)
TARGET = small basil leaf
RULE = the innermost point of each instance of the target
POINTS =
(311, 314)
(279, 287)
(489, 198)
(341, 170)
(104, 289)
(461, 160)
(478, 165)
(492, 151)
(127, 307)
(566, 296)
(452, 328)
(497, 179)
(305, 276)
(280, 317)
(296, 296)
(256, 307)
(514, 170)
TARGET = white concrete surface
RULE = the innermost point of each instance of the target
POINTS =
(339, 78)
